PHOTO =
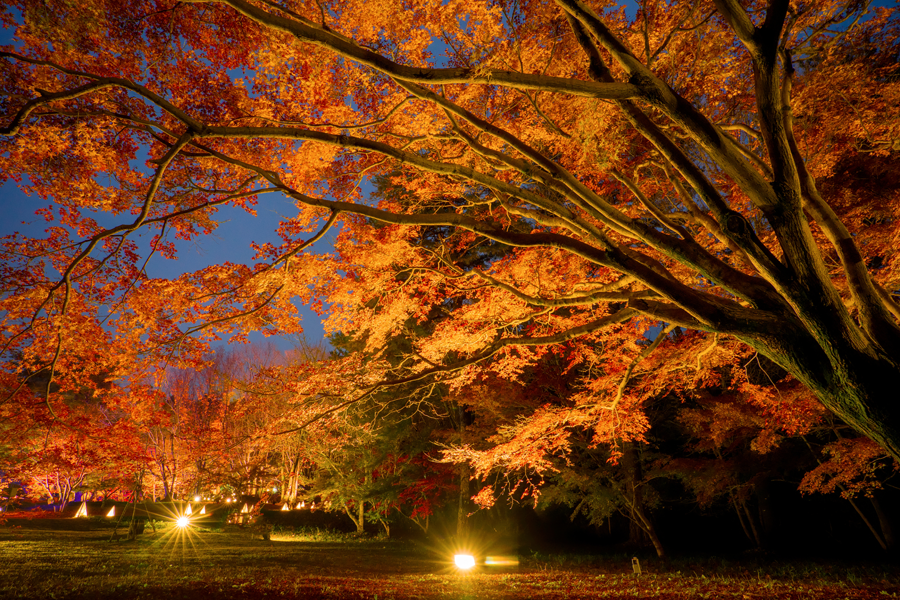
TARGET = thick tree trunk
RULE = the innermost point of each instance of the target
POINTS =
(870, 409)
(857, 387)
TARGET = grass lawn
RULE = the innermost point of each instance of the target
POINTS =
(37, 561)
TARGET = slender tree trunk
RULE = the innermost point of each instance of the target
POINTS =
(753, 526)
(167, 489)
(465, 492)
(358, 518)
(882, 518)
(887, 529)
(740, 516)
(64, 494)
(198, 484)
(654, 537)
(766, 510)
(868, 523)
(631, 463)
(295, 478)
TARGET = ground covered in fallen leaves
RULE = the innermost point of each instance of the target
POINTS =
(43, 562)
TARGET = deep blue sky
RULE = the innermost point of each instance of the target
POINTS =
(230, 242)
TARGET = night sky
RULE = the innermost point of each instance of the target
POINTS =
(230, 242)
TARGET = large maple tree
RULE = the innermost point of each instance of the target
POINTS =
(577, 173)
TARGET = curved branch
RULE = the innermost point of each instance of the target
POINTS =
(100, 83)
(660, 95)
(558, 338)
(874, 312)
(584, 300)
(638, 359)
(308, 32)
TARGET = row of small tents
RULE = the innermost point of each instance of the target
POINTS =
(166, 510)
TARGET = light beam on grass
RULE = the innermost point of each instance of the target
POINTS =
(475, 551)
(182, 538)
(501, 561)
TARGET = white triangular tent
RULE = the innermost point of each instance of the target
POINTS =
(285, 506)
(82, 510)
(112, 512)
(245, 509)
(189, 511)
(202, 510)
(300, 505)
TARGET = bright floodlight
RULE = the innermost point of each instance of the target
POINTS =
(464, 561)
(183, 521)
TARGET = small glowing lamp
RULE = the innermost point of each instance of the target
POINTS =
(196, 498)
(228, 500)
(464, 562)
(274, 489)
(183, 521)
(112, 512)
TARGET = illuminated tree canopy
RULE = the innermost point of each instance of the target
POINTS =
(558, 178)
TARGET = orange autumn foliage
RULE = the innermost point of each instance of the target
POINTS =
(571, 179)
